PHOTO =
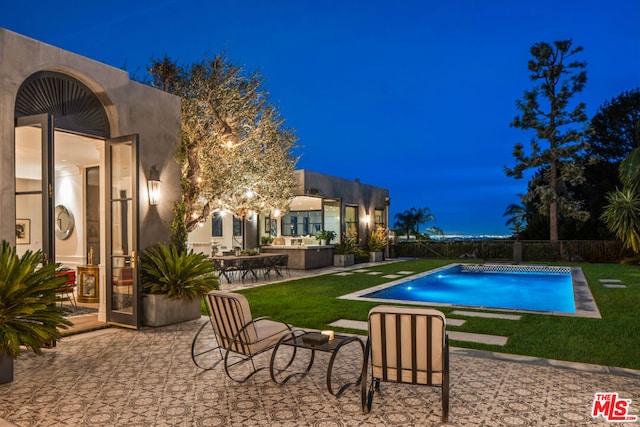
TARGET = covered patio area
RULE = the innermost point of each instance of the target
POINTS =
(146, 378)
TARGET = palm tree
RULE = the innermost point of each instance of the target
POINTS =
(405, 223)
(517, 218)
(622, 214)
(408, 222)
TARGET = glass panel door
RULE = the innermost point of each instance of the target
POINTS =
(122, 231)
(331, 209)
(34, 184)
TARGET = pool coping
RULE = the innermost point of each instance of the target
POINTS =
(583, 299)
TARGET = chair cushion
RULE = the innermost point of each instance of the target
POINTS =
(268, 334)
(231, 313)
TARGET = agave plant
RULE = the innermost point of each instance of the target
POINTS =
(168, 269)
(28, 312)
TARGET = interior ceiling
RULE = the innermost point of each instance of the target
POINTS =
(305, 203)
(70, 151)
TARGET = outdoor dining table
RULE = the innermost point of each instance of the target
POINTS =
(246, 265)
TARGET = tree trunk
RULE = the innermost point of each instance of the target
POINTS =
(553, 205)
(553, 222)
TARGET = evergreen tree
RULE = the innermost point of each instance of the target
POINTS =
(612, 127)
(610, 139)
(558, 79)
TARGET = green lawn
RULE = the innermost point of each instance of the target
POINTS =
(611, 341)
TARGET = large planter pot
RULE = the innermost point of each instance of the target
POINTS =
(344, 260)
(6, 369)
(158, 310)
(375, 256)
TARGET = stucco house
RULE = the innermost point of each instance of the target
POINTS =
(88, 176)
(320, 202)
(78, 142)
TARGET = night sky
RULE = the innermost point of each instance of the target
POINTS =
(412, 96)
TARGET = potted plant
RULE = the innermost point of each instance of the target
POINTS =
(376, 244)
(344, 253)
(174, 281)
(29, 315)
(325, 236)
(266, 240)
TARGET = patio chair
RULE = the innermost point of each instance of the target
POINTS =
(235, 334)
(407, 345)
(66, 291)
(226, 268)
(282, 265)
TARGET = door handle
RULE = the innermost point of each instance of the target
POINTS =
(133, 259)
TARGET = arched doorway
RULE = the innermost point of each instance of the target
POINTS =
(60, 126)
(76, 190)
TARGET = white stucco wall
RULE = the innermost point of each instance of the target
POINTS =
(131, 108)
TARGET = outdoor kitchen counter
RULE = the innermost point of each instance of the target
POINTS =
(303, 257)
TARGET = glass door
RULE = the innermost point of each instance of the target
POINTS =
(34, 184)
(122, 231)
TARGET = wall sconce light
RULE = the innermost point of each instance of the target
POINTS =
(154, 184)
(367, 218)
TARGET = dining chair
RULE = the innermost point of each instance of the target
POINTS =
(67, 291)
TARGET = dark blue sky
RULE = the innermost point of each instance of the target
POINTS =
(413, 96)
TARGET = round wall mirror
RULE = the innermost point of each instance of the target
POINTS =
(64, 222)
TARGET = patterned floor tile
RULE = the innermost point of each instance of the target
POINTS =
(147, 378)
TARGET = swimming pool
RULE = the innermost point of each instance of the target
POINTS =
(496, 286)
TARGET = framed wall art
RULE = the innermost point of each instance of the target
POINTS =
(23, 231)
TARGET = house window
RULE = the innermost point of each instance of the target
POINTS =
(331, 209)
(351, 219)
(301, 223)
(237, 227)
(378, 218)
(216, 225)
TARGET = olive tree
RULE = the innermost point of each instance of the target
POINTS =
(236, 155)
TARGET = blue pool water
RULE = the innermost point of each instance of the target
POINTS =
(516, 290)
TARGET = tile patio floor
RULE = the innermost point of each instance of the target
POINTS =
(120, 377)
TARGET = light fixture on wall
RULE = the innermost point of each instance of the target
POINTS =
(367, 218)
(154, 184)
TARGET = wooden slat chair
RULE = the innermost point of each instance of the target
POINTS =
(406, 345)
(237, 336)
